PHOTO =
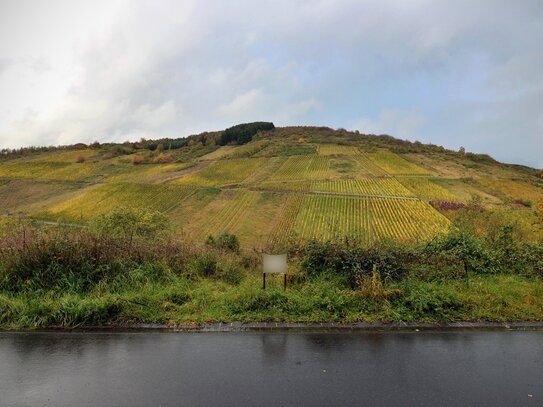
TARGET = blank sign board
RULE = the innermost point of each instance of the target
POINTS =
(274, 263)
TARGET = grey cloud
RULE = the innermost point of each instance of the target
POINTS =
(453, 73)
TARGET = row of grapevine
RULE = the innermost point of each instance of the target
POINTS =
(229, 217)
(98, 200)
(144, 173)
(336, 149)
(369, 167)
(326, 217)
(428, 190)
(406, 219)
(396, 165)
(283, 226)
(223, 172)
(364, 186)
(303, 167)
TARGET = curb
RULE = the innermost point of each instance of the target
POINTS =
(303, 327)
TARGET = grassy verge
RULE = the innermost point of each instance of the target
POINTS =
(183, 301)
(126, 269)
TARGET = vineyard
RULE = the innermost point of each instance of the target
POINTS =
(366, 166)
(230, 216)
(429, 190)
(104, 199)
(336, 149)
(326, 217)
(363, 186)
(144, 173)
(303, 167)
(223, 172)
(278, 187)
(395, 165)
(514, 189)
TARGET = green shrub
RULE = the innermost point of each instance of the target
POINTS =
(225, 241)
(422, 301)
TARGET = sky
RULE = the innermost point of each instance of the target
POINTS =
(454, 73)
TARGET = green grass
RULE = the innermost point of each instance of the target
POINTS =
(183, 301)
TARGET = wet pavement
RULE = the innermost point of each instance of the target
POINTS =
(294, 368)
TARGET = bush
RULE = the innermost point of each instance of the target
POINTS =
(130, 224)
(225, 241)
(420, 301)
(353, 261)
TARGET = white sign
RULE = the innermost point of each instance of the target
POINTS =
(274, 263)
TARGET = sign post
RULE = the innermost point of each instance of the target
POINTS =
(274, 264)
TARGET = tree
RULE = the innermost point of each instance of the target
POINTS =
(462, 150)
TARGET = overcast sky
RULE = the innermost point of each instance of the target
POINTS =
(455, 73)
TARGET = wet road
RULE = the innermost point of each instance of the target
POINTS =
(433, 368)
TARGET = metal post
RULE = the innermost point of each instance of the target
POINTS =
(263, 281)
(285, 282)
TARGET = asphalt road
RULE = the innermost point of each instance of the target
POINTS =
(429, 368)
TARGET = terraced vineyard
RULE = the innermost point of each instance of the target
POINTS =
(395, 165)
(336, 149)
(223, 172)
(105, 198)
(368, 166)
(271, 190)
(230, 216)
(303, 167)
(405, 219)
(326, 217)
(429, 190)
(366, 187)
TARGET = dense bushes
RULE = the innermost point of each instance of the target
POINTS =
(458, 254)
(126, 245)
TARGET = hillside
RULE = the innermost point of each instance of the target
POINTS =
(285, 184)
